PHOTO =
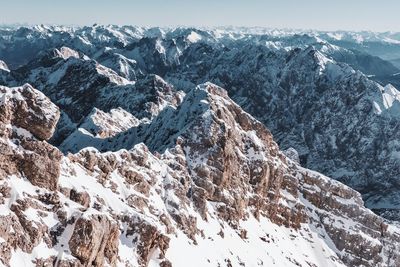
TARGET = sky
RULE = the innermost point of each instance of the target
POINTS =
(357, 15)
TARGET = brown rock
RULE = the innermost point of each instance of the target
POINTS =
(150, 238)
(95, 241)
(82, 198)
(28, 108)
(41, 164)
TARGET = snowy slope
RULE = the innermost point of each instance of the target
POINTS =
(323, 93)
(221, 194)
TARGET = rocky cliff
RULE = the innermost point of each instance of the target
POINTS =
(324, 94)
(213, 189)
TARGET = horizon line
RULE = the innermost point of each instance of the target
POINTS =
(176, 26)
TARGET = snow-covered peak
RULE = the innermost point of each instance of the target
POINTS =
(112, 75)
(322, 60)
(107, 124)
(66, 52)
(229, 155)
(390, 94)
(3, 66)
(296, 82)
(193, 37)
(124, 66)
(195, 171)
(390, 89)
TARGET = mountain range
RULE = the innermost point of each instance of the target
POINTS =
(133, 146)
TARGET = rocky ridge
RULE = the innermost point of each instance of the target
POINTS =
(322, 93)
(220, 182)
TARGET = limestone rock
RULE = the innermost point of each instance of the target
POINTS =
(95, 241)
(27, 108)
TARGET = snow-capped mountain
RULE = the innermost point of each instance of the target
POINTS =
(147, 164)
(314, 94)
(221, 193)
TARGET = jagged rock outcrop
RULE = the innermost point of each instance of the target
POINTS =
(29, 117)
(208, 175)
(27, 108)
(332, 114)
(59, 73)
(214, 178)
(40, 164)
(94, 241)
(317, 92)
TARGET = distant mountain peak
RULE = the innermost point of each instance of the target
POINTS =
(3, 66)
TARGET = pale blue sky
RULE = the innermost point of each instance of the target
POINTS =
(307, 14)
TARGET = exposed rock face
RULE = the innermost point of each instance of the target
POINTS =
(340, 212)
(103, 91)
(276, 78)
(314, 92)
(27, 108)
(206, 175)
(27, 115)
(82, 198)
(94, 241)
(41, 164)
(150, 239)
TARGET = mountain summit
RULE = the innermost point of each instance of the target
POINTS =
(130, 146)
(221, 181)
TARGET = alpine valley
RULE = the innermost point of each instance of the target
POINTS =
(133, 146)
